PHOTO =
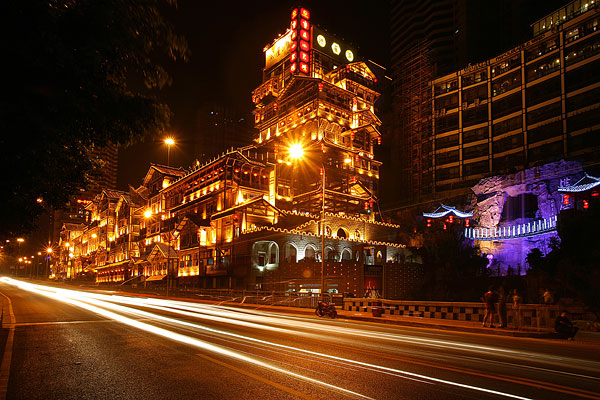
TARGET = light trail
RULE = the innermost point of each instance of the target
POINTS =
(94, 303)
(80, 300)
(233, 317)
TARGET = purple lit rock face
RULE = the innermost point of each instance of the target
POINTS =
(526, 196)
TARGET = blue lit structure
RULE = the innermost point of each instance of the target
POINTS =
(443, 211)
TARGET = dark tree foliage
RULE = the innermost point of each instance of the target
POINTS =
(79, 74)
(449, 258)
(572, 268)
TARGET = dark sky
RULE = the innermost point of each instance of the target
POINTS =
(226, 40)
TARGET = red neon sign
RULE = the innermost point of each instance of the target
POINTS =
(301, 39)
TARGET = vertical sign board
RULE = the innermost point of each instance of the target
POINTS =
(301, 42)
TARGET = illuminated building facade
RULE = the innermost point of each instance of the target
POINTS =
(257, 217)
(535, 103)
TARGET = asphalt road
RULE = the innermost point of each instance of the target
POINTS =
(71, 344)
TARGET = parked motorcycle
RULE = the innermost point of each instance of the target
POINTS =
(324, 309)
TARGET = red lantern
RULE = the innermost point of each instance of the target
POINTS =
(586, 205)
(566, 199)
(429, 223)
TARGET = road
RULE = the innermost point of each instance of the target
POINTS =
(69, 344)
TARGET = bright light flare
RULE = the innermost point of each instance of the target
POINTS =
(296, 151)
(169, 141)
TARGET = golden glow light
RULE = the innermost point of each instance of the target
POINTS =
(20, 240)
(336, 48)
(169, 141)
(347, 160)
(49, 250)
(349, 55)
(321, 41)
(147, 213)
(296, 151)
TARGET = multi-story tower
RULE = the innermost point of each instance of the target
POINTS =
(317, 97)
(535, 103)
(294, 211)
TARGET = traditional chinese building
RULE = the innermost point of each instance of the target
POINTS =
(271, 215)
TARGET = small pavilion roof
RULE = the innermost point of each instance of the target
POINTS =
(583, 185)
(443, 210)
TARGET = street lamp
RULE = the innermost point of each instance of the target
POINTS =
(169, 142)
(19, 241)
(49, 252)
(296, 152)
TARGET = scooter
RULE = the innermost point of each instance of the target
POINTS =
(324, 309)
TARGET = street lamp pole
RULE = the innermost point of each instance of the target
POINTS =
(296, 152)
(323, 233)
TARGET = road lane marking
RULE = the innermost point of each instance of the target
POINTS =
(101, 308)
(523, 381)
(8, 348)
(69, 322)
(257, 377)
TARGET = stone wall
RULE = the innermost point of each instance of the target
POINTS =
(532, 315)
(491, 195)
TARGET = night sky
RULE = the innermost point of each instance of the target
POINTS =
(226, 40)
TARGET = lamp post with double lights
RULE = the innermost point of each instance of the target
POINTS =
(296, 152)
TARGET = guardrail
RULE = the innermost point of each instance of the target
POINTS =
(527, 229)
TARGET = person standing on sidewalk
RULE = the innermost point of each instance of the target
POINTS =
(564, 327)
(490, 298)
(516, 309)
(502, 314)
(548, 301)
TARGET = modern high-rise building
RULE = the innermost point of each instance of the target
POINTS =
(432, 38)
(535, 103)
(106, 175)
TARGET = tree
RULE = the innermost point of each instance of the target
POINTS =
(449, 258)
(81, 74)
(572, 265)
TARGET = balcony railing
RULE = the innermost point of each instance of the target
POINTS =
(527, 229)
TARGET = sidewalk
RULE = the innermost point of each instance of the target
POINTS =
(450, 325)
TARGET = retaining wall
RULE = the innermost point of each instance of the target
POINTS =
(532, 315)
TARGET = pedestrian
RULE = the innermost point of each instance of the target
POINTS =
(502, 307)
(490, 298)
(564, 327)
(516, 309)
(547, 297)
(547, 300)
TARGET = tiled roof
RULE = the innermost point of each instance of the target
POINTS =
(165, 169)
(115, 194)
(583, 185)
(443, 210)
